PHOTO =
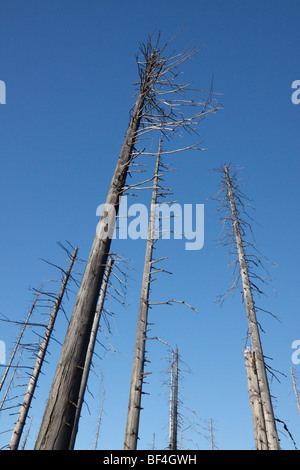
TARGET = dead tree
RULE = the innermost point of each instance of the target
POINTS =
(152, 111)
(295, 390)
(19, 426)
(175, 404)
(25, 324)
(134, 405)
(99, 421)
(171, 402)
(231, 199)
(259, 427)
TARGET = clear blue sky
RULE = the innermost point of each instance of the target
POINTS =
(69, 68)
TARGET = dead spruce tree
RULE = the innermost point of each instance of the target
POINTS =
(157, 107)
(25, 324)
(134, 406)
(233, 202)
(159, 193)
(19, 426)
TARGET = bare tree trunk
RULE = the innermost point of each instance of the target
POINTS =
(134, 405)
(175, 404)
(19, 426)
(19, 339)
(260, 435)
(171, 402)
(211, 435)
(99, 422)
(57, 424)
(273, 441)
(295, 390)
(90, 351)
(11, 380)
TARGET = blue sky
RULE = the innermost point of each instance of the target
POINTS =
(69, 69)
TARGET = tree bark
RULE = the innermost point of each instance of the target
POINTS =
(273, 441)
(260, 435)
(90, 351)
(295, 390)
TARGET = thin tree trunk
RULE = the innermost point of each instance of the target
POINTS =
(171, 401)
(260, 435)
(19, 426)
(295, 390)
(175, 404)
(99, 422)
(58, 420)
(134, 406)
(11, 380)
(211, 436)
(90, 351)
(19, 339)
(273, 441)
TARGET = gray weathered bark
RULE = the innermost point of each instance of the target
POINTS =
(273, 441)
(295, 390)
(260, 435)
(90, 351)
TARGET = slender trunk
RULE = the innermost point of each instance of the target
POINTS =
(90, 351)
(18, 340)
(260, 435)
(11, 380)
(273, 441)
(99, 422)
(211, 436)
(58, 420)
(175, 404)
(134, 406)
(295, 390)
(16, 436)
(171, 402)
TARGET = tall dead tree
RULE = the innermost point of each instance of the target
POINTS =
(134, 405)
(231, 198)
(152, 111)
(19, 426)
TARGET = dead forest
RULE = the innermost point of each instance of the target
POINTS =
(165, 106)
